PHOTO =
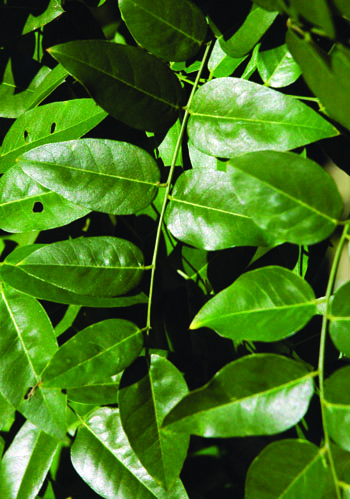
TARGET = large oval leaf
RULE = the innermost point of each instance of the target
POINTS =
(337, 407)
(53, 122)
(145, 397)
(100, 174)
(100, 350)
(131, 85)
(94, 266)
(288, 469)
(266, 304)
(290, 196)
(173, 30)
(102, 456)
(204, 211)
(231, 116)
(340, 319)
(25, 205)
(255, 395)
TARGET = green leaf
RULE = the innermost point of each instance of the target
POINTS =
(102, 349)
(167, 147)
(266, 304)
(328, 76)
(340, 319)
(26, 206)
(95, 173)
(146, 395)
(149, 94)
(316, 12)
(221, 64)
(26, 463)
(7, 415)
(67, 320)
(268, 4)
(47, 124)
(247, 36)
(288, 469)
(201, 160)
(204, 211)
(337, 407)
(93, 266)
(287, 195)
(172, 30)
(277, 67)
(231, 116)
(259, 394)
(102, 456)
(101, 392)
(343, 6)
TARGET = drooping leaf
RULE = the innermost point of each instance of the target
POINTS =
(102, 349)
(102, 456)
(328, 76)
(231, 116)
(288, 468)
(145, 397)
(247, 36)
(26, 463)
(25, 205)
(101, 392)
(18, 17)
(49, 123)
(204, 211)
(92, 266)
(172, 30)
(287, 195)
(260, 394)
(149, 94)
(337, 406)
(99, 174)
(277, 67)
(266, 304)
(340, 319)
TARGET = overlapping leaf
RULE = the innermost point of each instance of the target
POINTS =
(277, 67)
(221, 64)
(316, 12)
(231, 116)
(149, 94)
(204, 211)
(256, 395)
(337, 407)
(102, 349)
(102, 456)
(99, 174)
(288, 468)
(173, 30)
(267, 304)
(340, 319)
(102, 392)
(26, 463)
(290, 196)
(145, 397)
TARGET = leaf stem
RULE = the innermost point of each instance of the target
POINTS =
(321, 357)
(168, 186)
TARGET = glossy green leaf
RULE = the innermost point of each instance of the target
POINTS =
(340, 319)
(172, 30)
(167, 147)
(49, 123)
(102, 456)
(26, 463)
(259, 394)
(204, 211)
(25, 205)
(266, 304)
(201, 160)
(102, 349)
(102, 392)
(18, 17)
(18, 278)
(145, 397)
(231, 116)
(277, 67)
(316, 12)
(247, 36)
(221, 64)
(95, 173)
(328, 76)
(337, 407)
(7, 415)
(149, 94)
(67, 320)
(288, 469)
(96, 266)
(290, 196)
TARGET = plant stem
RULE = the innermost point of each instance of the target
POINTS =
(322, 355)
(168, 186)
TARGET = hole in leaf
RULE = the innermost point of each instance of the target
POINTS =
(38, 207)
(53, 127)
(25, 133)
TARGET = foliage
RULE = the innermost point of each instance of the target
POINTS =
(170, 326)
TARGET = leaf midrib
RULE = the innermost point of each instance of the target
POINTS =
(210, 208)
